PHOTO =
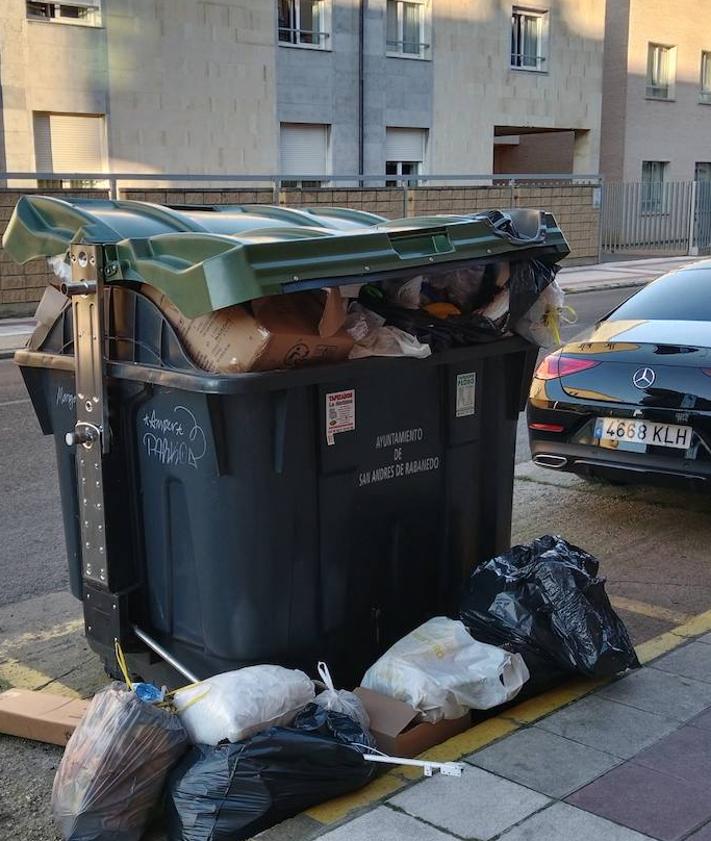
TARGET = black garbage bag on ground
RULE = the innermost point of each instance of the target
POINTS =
(324, 722)
(545, 601)
(233, 791)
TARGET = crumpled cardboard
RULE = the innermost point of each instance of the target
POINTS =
(281, 331)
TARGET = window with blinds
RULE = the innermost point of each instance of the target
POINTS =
(70, 143)
(83, 12)
(407, 26)
(304, 152)
(661, 71)
(705, 89)
(404, 153)
(529, 39)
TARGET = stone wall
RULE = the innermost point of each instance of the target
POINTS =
(572, 205)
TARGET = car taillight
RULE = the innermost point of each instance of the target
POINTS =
(558, 365)
(546, 427)
(548, 369)
(706, 371)
(572, 365)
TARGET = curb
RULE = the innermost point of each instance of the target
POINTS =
(340, 811)
(602, 284)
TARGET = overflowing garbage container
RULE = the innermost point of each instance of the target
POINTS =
(282, 435)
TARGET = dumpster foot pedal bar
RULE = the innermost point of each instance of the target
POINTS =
(165, 655)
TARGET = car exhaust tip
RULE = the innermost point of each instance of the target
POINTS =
(550, 461)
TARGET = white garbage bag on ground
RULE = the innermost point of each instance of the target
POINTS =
(440, 670)
(236, 705)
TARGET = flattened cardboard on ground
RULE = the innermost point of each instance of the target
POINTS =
(282, 331)
(397, 730)
(41, 716)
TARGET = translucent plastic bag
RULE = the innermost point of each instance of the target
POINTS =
(441, 671)
(341, 700)
(235, 705)
(541, 324)
(390, 341)
(114, 767)
(404, 293)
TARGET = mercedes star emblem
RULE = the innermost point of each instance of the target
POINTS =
(644, 378)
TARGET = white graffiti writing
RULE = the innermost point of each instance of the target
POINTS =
(66, 398)
(177, 440)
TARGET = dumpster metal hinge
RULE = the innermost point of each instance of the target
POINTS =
(91, 433)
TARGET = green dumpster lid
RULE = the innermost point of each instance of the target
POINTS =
(206, 258)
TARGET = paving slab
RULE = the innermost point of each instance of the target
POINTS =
(544, 762)
(608, 726)
(477, 805)
(685, 754)
(300, 828)
(660, 805)
(702, 721)
(562, 822)
(660, 692)
(703, 834)
(384, 824)
(692, 660)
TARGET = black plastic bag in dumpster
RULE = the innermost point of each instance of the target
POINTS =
(233, 791)
(527, 280)
(545, 601)
(114, 767)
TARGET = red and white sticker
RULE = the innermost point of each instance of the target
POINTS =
(340, 413)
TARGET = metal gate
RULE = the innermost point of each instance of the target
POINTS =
(654, 218)
(647, 218)
(702, 218)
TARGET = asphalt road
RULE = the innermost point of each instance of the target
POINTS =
(32, 553)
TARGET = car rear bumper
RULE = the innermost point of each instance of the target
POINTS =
(620, 465)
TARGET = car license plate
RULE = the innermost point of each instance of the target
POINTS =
(643, 432)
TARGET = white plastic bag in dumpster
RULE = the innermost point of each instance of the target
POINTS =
(341, 701)
(236, 705)
(389, 341)
(440, 670)
(541, 324)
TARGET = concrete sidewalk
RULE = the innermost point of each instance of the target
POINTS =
(14, 332)
(619, 274)
(629, 761)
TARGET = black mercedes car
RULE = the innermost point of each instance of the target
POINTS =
(629, 400)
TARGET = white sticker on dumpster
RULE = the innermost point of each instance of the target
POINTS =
(340, 413)
(466, 394)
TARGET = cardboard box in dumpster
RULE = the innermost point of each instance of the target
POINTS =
(397, 727)
(282, 331)
(41, 716)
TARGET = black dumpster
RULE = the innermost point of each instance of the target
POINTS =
(287, 516)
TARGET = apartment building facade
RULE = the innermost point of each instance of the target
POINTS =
(301, 87)
(656, 119)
